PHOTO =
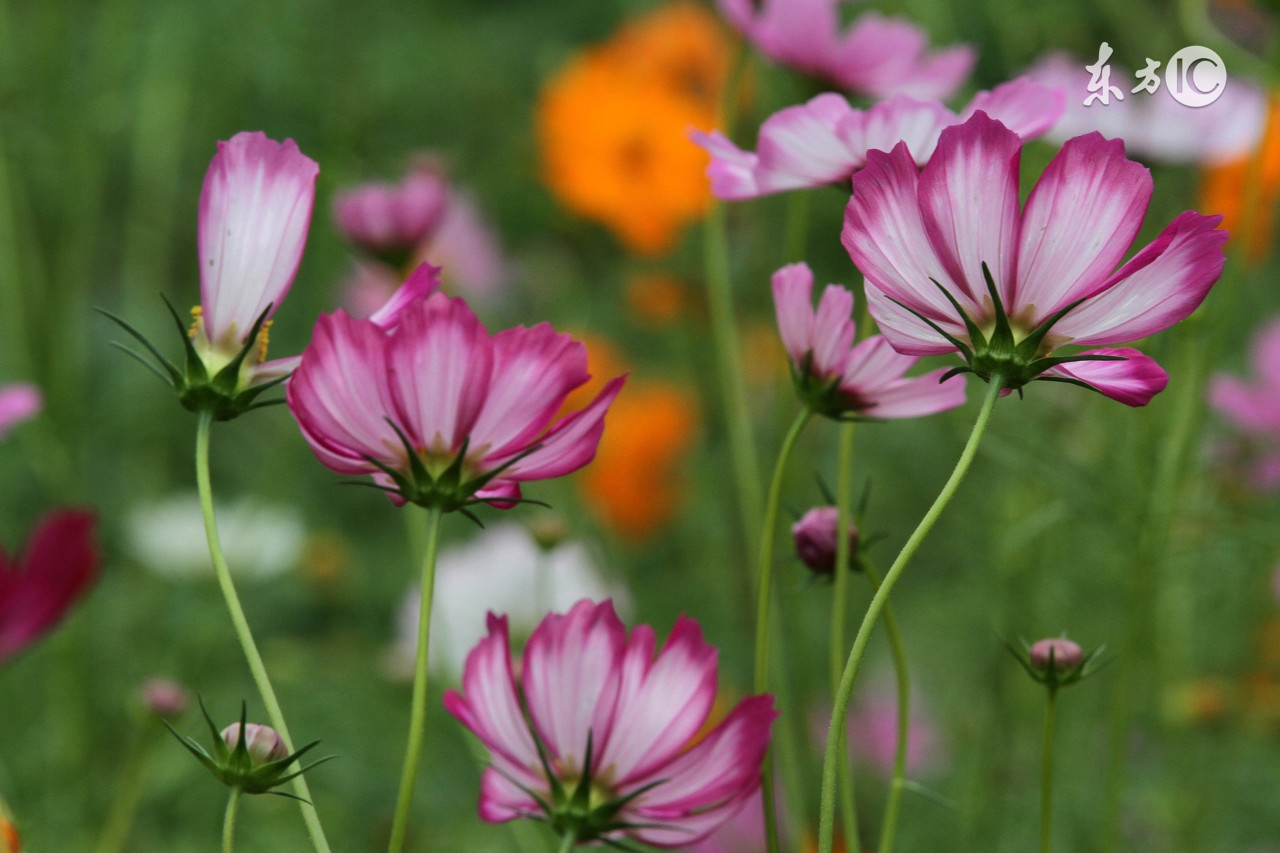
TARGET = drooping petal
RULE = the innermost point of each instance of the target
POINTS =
(732, 171)
(662, 703)
(60, 561)
(969, 200)
(917, 396)
(1080, 220)
(424, 281)
(572, 667)
(255, 209)
(884, 234)
(888, 56)
(1133, 381)
(440, 360)
(18, 402)
(1159, 286)
(570, 444)
(906, 332)
(799, 146)
(533, 371)
(898, 119)
(706, 785)
(1024, 105)
(341, 396)
(793, 301)
(502, 800)
(832, 331)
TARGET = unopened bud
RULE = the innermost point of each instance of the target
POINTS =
(1057, 653)
(549, 530)
(263, 742)
(815, 538)
(164, 698)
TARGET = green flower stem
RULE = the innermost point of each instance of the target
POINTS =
(724, 334)
(826, 817)
(839, 610)
(229, 821)
(268, 694)
(567, 843)
(889, 826)
(418, 711)
(1046, 779)
(797, 226)
(764, 598)
(128, 793)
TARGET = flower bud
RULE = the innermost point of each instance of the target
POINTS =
(164, 698)
(815, 538)
(263, 742)
(1057, 653)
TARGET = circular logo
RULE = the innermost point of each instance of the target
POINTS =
(1196, 76)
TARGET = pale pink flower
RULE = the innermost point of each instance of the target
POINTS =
(595, 709)
(836, 378)
(423, 398)
(60, 561)
(19, 402)
(1253, 407)
(927, 239)
(255, 209)
(875, 56)
(1154, 125)
(825, 141)
(873, 734)
(391, 220)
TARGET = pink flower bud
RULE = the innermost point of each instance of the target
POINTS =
(263, 742)
(815, 538)
(164, 698)
(1064, 653)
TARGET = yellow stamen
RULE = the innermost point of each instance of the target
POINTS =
(262, 341)
(197, 315)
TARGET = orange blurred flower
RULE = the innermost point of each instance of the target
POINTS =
(1245, 190)
(655, 299)
(612, 126)
(635, 484)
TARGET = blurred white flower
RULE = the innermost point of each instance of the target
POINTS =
(260, 540)
(502, 570)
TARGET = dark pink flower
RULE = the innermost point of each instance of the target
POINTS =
(423, 398)
(825, 141)
(596, 713)
(875, 56)
(61, 559)
(255, 209)
(836, 378)
(816, 541)
(391, 220)
(1253, 407)
(1055, 653)
(954, 263)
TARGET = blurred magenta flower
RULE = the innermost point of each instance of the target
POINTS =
(875, 56)
(927, 239)
(60, 561)
(600, 739)
(19, 402)
(1055, 653)
(836, 378)
(420, 396)
(391, 220)
(873, 734)
(1155, 125)
(815, 538)
(1253, 407)
(255, 209)
(825, 141)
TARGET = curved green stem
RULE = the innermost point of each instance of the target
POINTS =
(764, 597)
(128, 793)
(418, 711)
(826, 817)
(566, 844)
(259, 670)
(839, 608)
(229, 821)
(890, 825)
(1046, 779)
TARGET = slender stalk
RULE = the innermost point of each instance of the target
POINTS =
(1046, 779)
(889, 826)
(764, 609)
(229, 821)
(566, 844)
(259, 670)
(826, 818)
(128, 793)
(418, 711)
(839, 609)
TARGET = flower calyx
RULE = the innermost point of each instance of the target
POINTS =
(248, 757)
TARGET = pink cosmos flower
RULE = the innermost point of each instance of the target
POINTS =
(255, 209)
(391, 220)
(423, 398)
(597, 718)
(1253, 407)
(58, 564)
(953, 263)
(19, 402)
(825, 141)
(838, 379)
(875, 56)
